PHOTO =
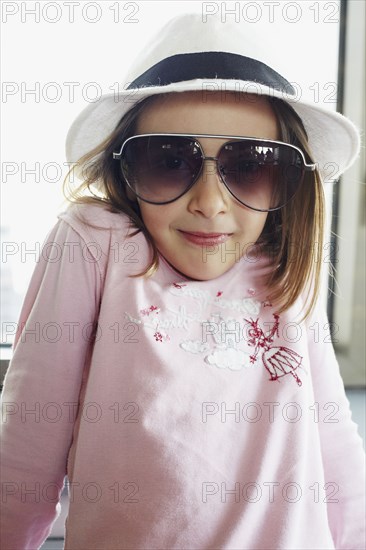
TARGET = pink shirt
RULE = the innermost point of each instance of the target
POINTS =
(197, 420)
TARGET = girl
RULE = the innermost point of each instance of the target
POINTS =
(172, 358)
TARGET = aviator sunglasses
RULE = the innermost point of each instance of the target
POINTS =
(261, 174)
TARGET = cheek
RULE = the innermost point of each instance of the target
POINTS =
(261, 223)
(157, 218)
(253, 229)
(252, 222)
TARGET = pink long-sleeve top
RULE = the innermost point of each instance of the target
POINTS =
(185, 414)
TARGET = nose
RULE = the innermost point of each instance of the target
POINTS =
(208, 196)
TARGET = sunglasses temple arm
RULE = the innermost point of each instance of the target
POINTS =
(310, 167)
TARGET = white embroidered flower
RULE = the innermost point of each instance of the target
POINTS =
(194, 346)
(230, 358)
(252, 306)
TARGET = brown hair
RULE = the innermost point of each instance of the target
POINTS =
(292, 236)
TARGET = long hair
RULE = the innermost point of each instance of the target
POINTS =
(292, 236)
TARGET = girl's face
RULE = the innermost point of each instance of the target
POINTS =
(207, 207)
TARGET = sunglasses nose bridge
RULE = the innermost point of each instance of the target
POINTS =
(215, 160)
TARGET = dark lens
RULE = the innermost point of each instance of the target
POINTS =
(160, 168)
(261, 174)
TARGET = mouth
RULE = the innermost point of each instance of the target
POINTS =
(205, 239)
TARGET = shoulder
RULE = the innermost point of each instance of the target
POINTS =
(97, 223)
(107, 237)
(98, 216)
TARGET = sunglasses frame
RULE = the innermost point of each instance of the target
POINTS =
(307, 167)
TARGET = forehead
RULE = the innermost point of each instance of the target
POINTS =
(196, 112)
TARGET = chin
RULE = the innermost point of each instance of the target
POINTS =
(205, 273)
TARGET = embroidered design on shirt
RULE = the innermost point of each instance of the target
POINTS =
(227, 334)
(194, 346)
(161, 337)
(220, 348)
(151, 309)
(158, 335)
(278, 360)
(177, 285)
(204, 299)
(229, 358)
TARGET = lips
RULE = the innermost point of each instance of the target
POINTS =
(205, 239)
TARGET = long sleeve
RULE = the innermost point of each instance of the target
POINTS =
(341, 445)
(151, 454)
(42, 385)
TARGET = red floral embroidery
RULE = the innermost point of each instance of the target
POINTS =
(176, 285)
(159, 337)
(219, 294)
(149, 310)
(278, 360)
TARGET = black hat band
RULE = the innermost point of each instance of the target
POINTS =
(211, 65)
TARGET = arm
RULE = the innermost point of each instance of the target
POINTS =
(43, 384)
(341, 445)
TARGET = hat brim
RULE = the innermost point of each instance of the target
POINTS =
(333, 139)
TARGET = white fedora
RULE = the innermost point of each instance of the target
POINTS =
(188, 54)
